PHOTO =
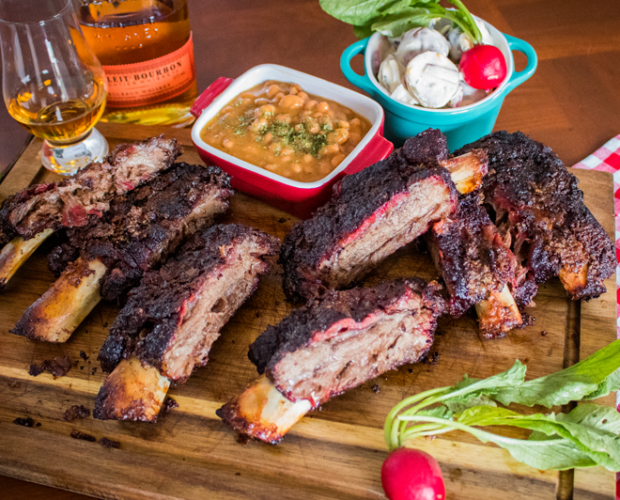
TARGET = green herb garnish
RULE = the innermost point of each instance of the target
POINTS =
(587, 436)
(301, 141)
(394, 17)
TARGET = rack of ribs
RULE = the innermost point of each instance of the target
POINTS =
(110, 255)
(174, 316)
(30, 216)
(476, 266)
(539, 212)
(334, 343)
(375, 212)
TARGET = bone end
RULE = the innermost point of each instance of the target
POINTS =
(55, 316)
(16, 252)
(576, 282)
(498, 314)
(132, 392)
(468, 170)
(262, 412)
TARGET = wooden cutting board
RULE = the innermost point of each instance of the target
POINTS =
(335, 452)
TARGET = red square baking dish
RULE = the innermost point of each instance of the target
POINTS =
(295, 197)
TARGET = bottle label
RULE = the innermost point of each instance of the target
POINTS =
(153, 81)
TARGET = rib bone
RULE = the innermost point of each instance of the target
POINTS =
(133, 391)
(467, 170)
(138, 232)
(498, 314)
(262, 412)
(60, 310)
(18, 251)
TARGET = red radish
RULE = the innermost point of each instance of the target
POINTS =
(483, 67)
(409, 474)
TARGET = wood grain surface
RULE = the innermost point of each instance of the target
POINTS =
(333, 453)
(572, 104)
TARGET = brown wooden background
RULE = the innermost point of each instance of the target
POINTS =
(572, 103)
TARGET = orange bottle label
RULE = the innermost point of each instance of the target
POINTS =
(151, 82)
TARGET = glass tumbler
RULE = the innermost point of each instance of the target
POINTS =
(52, 84)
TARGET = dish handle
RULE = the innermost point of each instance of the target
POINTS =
(360, 81)
(518, 77)
(210, 93)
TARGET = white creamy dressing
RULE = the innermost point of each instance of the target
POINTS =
(422, 66)
(391, 73)
(418, 41)
(432, 79)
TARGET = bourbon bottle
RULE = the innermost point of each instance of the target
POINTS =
(146, 49)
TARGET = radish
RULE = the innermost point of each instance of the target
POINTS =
(409, 474)
(483, 67)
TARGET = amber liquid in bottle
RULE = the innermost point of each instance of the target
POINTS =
(59, 123)
(126, 32)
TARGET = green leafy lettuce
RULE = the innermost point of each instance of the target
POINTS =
(394, 17)
(587, 436)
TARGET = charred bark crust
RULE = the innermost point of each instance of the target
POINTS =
(143, 226)
(470, 255)
(538, 204)
(158, 304)
(87, 193)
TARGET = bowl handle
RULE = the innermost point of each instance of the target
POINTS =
(518, 77)
(360, 81)
(209, 94)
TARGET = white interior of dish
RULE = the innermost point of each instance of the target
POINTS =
(499, 41)
(362, 105)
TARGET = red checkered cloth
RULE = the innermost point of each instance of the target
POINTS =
(607, 159)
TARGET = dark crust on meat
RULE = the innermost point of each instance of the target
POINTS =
(426, 148)
(297, 330)
(470, 255)
(161, 308)
(57, 367)
(550, 226)
(109, 443)
(84, 194)
(143, 226)
(75, 434)
(76, 412)
(356, 198)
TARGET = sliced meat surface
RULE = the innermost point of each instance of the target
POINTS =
(371, 215)
(144, 226)
(173, 317)
(345, 338)
(72, 202)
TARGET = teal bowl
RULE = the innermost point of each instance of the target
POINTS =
(460, 125)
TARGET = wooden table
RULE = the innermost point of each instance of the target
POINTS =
(572, 102)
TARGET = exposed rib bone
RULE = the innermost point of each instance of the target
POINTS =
(262, 412)
(16, 252)
(60, 310)
(467, 170)
(133, 391)
(574, 282)
(498, 314)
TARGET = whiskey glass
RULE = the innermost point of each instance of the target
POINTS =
(52, 84)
